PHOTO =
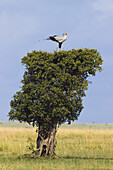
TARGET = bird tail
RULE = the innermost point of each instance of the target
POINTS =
(47, 39)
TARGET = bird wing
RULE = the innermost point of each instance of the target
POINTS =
(60, 39)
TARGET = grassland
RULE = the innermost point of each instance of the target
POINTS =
(80, 146)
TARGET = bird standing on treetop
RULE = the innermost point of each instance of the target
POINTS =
(59, 39)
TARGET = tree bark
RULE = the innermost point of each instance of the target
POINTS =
(46, 141)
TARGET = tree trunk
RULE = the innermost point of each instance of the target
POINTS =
(46, 141)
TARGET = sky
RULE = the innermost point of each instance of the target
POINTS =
(89, 24)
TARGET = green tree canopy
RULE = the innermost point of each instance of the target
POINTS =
(53, 87)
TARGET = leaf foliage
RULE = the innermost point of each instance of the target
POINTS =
(54, 85)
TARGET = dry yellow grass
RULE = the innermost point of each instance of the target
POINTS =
(86, 143)
(15, 140)
(78, 148)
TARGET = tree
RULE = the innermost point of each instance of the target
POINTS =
(52, 91)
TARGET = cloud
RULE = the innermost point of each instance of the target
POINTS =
(105, 6)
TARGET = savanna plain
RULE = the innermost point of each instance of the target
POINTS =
(79, 146)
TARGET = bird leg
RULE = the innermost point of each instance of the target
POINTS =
(60, 44)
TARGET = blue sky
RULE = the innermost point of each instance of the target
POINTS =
(89, 24)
